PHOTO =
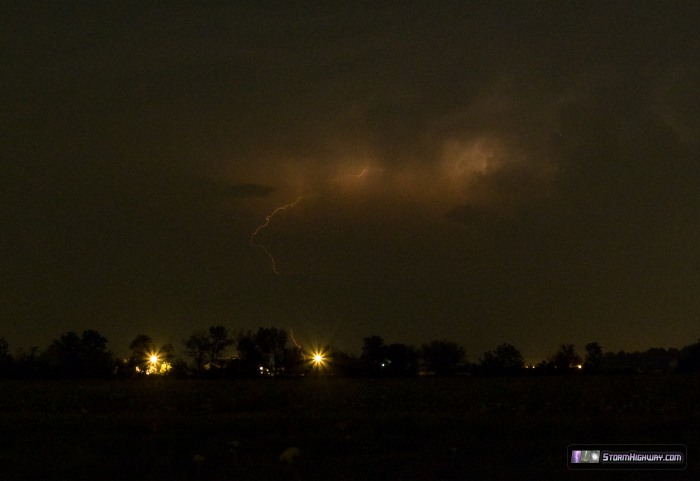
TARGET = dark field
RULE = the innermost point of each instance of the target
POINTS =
(341, 429)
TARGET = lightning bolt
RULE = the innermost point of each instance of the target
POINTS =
(268, 218)
(291, 333)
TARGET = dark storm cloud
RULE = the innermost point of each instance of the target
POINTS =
(249, 190)
(466, 169)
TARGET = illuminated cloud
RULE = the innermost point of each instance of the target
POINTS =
(462, 165)
(248, 190)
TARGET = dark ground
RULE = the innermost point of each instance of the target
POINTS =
(342, 429)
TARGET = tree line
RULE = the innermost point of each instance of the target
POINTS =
(270, 352)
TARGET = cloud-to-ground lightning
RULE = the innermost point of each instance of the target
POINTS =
(281, 208)
(268, 218)
(291, 334)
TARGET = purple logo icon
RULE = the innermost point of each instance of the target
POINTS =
(575, 457)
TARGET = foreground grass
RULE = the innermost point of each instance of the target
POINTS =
(344, 429)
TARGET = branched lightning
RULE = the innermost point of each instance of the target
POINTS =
(281, 208)
(268, 218)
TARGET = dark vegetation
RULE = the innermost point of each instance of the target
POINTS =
(74, 411)
(270, 352)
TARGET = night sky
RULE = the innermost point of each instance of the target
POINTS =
(485, 172)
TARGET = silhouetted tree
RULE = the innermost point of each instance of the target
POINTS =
(653, 359)
(142, 346)
(96, 359)
(198, 346)
(141, 349)
(5, 358)
(179, 368)
(294, 361)
(27, 363)
(271, 344)
(566, 357)
(167, 353)
(505, 357)
(594, 356)
(347, 364)
(250, 355)
(373, 355)
(657, 359)
(267, 349)
(689, 358)
(80, 356)
(211, 345)
(219, 340)
(401, 360)
(546, 366)
(442, 357)
(64, 355)
(147, 358)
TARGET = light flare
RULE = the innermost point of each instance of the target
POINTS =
(318, 359)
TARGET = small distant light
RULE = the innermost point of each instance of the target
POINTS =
(154, 359)
(261, 368)
(579, 366)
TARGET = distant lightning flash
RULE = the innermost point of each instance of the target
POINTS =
(268, 218)
(291, 333)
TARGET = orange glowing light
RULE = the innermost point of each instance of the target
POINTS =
(318, 358)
